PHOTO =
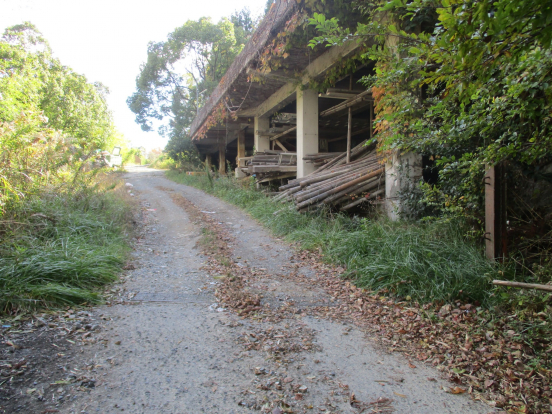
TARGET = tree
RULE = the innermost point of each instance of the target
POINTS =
(182, 71)
(51, 119)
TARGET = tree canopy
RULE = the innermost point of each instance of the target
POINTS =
(181, 72)
(52, 120)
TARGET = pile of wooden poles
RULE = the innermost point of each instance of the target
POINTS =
(271, 165)
(272, 157)
(338, 184)
(320, 158)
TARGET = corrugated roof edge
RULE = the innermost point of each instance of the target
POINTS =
(275, 17)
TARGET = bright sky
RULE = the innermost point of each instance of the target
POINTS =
(106, 40)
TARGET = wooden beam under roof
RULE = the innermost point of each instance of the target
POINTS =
(365, 96)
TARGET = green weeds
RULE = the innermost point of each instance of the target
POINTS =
(59, 249)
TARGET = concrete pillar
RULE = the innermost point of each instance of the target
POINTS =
(399, 171)
(241, 154)
(307, 129)
(262, 142)
(241, 146)
(208, 160)
(222, 157)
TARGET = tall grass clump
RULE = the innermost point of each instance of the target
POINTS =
(430, 261)
(419, 261)
(60, 248)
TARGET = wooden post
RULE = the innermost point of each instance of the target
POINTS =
(349, 124)
(323, 145)
(371, 120)
(495, 213)
(222, 157)
(241, 147)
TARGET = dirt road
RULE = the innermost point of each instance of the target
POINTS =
(170, 347)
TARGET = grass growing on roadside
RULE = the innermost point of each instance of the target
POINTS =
(60, 248)
(426, 262)
(163, 162)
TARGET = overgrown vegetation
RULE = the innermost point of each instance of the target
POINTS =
(163, 162)
(467, 84)
(58, 249)
(62, 231)
(424, 262)
(180, 74)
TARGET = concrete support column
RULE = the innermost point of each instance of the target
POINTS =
(241, 154)
(262, 142)
(222, 157)
(401, 170)
(241, 146)
(208, 160)
(307, 129)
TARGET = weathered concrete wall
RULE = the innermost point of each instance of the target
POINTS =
(398, 171)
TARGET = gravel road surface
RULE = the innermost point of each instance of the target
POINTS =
(170, 347)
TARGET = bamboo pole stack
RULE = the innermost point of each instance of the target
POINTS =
(338, 184)
(320, 158)
(271, 165)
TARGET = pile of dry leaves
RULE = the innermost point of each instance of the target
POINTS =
(481, 353)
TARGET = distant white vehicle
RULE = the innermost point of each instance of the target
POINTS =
(114, 158)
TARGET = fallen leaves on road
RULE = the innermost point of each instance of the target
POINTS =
(472, 346)
(35, 346)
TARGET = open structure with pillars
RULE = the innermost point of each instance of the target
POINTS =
(288, 112)
(269, 121)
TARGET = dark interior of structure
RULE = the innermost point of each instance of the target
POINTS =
(332, 128)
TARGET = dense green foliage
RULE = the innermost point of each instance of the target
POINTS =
(52, 121)
(181, 72)
(426, 261)
(61, 237)
(468, 82)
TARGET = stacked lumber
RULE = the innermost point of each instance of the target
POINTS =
(321, 157)
(273, 157)
(271, 164)
(337, 184)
